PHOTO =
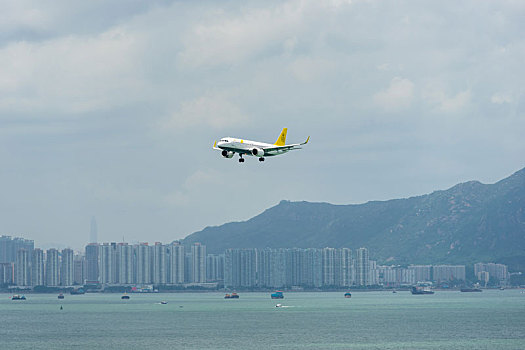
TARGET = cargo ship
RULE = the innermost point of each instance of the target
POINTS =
(277, 295)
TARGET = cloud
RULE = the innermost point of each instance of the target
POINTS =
(500, 98)
(215, 110)
(398, 95)
(442, 102)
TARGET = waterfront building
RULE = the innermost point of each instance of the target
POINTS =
(22, 268)
(240, 268)
(52, 268)
(329, 266)
(143, 263)
(79, 269)
(66, 267)
(107, 261)
(422, 273)
(125, 263)
(215, 267)
(176, 259)
(498, 271)
(37, 268)
(9, 248)
(92, 263)
(159, 263)
(312, 270)
(362, 267)
(447, 273)
(7, 271)
(198, 257)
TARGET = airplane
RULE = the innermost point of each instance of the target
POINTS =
(230, 145)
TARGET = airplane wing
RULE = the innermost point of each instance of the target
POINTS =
(286, 147)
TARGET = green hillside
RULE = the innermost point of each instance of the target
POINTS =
(467, 223)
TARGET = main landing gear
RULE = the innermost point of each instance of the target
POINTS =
(241, 159)
(261, 159)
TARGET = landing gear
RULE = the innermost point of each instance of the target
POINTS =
(261, 159)
(241, 159)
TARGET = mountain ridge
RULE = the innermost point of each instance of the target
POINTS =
(466, 223)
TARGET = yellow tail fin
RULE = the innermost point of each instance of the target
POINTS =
(281, 141)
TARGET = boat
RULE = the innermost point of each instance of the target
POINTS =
(421, 290)
(277, 295)
(125, 297)
(77, 291)
(227, 296)
(394, 291)
(18, 297)
(467, 290)
(163, 302)
(234, 295)
(279, 305)
(61, 296)
(348, 295)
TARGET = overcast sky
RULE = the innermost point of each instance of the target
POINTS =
(110, 109)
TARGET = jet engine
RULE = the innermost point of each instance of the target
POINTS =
(227, 154)
(258, 152)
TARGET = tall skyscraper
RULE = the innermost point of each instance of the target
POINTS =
(143, 263)
(125, 258)
(198, 252)
(93, 232)
(107, 259)
(362, 267)
(159, 263)
(92, 264)
(37, 268)
(176, 263)
(22, 268)
(66, 267)
(52, 268)
(79, 269)
(329, 266)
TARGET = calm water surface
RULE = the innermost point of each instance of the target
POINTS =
(369, 320)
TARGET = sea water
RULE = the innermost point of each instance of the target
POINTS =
(492, 319)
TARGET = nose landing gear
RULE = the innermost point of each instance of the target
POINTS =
(261, 159)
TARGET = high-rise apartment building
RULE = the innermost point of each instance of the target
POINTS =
(143, 263)
(23, 268)
(66, 267)
(215, 267)
(52, 268)
(362, 267)
(9, 248)
(125, 263)
(176, 263)
(447, 273)
(79, 269)
(160, 257)
(198, 253)
(422, 273)
(92, 263)
(108, 263)
(37, 268)
(240, 268)
(498, 271)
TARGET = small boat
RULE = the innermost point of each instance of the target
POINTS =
(394, 291)
(163, 302)
(421, 290)
(277, 295)
(232, 296)
(61, 296)
(77, 291)
(468, 290)
(227, 296)
(125, 297)
(348, 295)
(279, 305)
(18, 297)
